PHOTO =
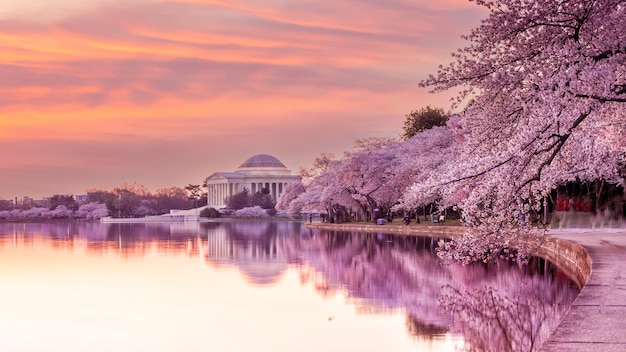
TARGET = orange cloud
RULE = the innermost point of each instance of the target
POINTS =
(118, 85)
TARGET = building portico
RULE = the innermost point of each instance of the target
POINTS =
(258, 172)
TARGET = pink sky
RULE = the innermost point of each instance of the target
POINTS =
(166, 92)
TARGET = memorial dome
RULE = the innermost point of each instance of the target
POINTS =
(262, 160)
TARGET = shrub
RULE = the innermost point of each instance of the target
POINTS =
(251, 212)
(210, 213)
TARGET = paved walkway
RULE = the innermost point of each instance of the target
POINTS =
(596, 320)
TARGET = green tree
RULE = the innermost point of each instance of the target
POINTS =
(196, 195)
(210, 213)
(243, 199)
(66, 200)
(125, 204)
(239, 200)
(171, 198)
(262, 199)
(203, 194)
(5, 204)
(423, 119)
(104, 197)
(128, 199)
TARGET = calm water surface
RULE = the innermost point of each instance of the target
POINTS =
(260, 286)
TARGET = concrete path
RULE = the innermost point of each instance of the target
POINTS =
(596, 320)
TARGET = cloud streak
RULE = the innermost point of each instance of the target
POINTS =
(197, 76)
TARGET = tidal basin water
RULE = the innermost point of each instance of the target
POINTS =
(261, 286)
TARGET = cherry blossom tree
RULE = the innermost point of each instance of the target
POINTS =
(307, 194)
(91, 211)
(171, 198)
(10, 214)
(291, 193)
(423, 160)
(85, 211)
(366, 170)
(322, 188)
(309, 200)
(60, 212)
(546, 81)
(359, 180)
(320, 165)
(34, 213)
(377, 172)
(5, 204)
(327, 192)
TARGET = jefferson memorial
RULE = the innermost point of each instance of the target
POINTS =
(257, 172)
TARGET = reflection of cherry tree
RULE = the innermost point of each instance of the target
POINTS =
(510, 318)
(372, 272)
(416, 327)
(507, 308)
(381, 272)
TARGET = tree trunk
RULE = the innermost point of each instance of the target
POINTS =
(599, 184)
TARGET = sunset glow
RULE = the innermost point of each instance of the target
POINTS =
(68, 293)
(100, 93)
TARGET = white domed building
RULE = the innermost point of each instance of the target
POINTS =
(257, 172)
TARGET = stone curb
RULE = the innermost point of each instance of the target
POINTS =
(570, 257)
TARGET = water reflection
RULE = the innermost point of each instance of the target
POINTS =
(251, 246)
(503, 307)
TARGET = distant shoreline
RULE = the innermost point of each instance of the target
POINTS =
(137, 220)
(47, 220)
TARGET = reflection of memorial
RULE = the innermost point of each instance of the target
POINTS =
(253, 247)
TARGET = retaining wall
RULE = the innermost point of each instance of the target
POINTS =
(571, 258)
